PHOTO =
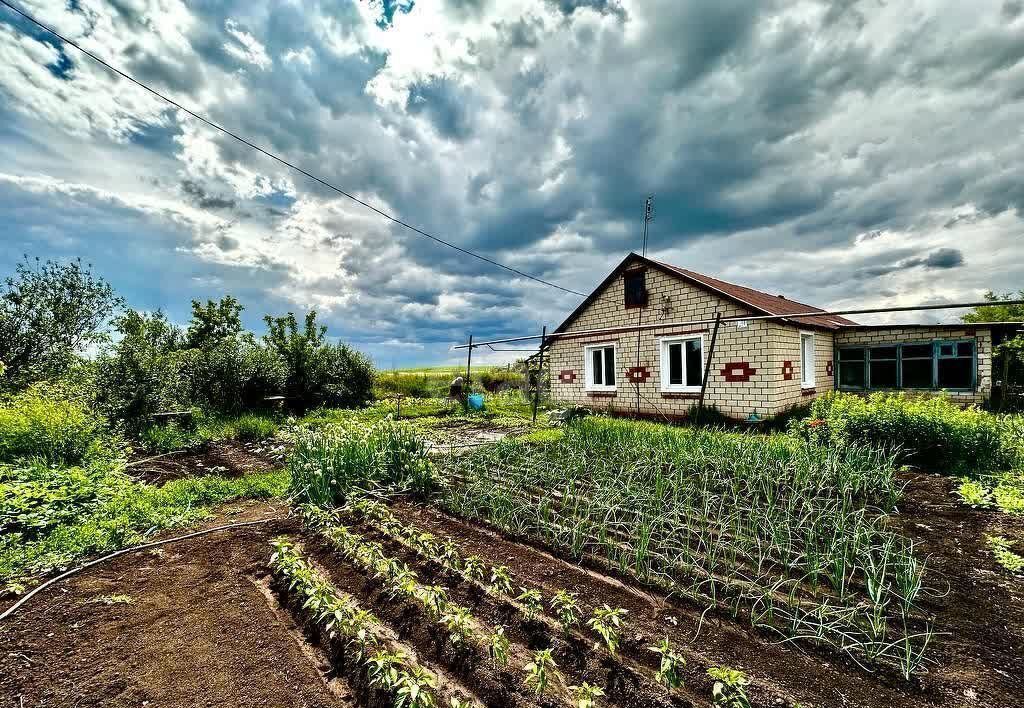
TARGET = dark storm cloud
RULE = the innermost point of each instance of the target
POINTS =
(940, 259)
(201, 198)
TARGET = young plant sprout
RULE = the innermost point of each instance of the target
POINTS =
(608, 623)
(670, 667)
(434, 599)
(565, 605)
(729, 690)
(415, 688)
(584, 694)
(501, 581)
(459, 624)
(538, 671)
(498, 647)
(533, 603)
(383, 668)
(473, 567)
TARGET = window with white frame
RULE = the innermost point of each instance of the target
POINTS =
(807, 359)
(600, 366)
(682, 364)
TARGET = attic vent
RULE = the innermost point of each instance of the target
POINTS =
(782, 297)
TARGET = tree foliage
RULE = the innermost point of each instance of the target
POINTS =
(999, 310)
(49, 313)
(214, 322)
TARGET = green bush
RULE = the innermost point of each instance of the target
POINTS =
(932, 432)
(328, 464)
(494, 380)
(44, 421)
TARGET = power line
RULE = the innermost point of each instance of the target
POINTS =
(281, 160)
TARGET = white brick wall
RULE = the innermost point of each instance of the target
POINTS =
(763, 345)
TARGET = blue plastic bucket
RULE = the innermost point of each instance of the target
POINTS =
(476, 401)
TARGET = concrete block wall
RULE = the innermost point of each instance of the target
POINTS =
(746, 373)
(922, 335)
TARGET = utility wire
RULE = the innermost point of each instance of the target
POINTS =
(281, 160)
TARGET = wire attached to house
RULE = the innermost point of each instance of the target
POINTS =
(281, 160)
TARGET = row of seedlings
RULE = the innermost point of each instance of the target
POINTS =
(606, 622)
(541, 675)
(386, 667)
(756, 529)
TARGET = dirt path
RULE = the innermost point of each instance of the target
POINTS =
(197, 631)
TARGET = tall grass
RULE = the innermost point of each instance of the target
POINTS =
(45, 422)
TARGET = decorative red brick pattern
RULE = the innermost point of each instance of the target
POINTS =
(566, 376)
(787, 371)
(738, 371)
(682, 396)
(637, 374)
(601, 394)
(828, 368)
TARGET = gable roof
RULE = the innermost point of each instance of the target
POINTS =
(756, 300)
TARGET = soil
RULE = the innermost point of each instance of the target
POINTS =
(207, 625)
(198, 631)
(456, 434)
(227, 458)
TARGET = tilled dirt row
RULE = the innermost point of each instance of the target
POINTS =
(781, 673)
(180, 626)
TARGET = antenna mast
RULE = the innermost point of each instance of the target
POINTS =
(648, 208)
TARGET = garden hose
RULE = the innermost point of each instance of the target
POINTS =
(13, 608)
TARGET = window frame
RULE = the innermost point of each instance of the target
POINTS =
(588, 366)
(638, 273)
(807, 373)
(936, 355)
(686, 386)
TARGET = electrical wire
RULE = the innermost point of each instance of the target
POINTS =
(281, 160)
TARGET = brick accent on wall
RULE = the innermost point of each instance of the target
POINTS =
(566, 376)
(637, 374)
(787, 370)
(737, 371)
(829, 368)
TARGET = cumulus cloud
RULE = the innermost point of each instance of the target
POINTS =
(845, 153)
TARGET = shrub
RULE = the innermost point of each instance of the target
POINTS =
(494, 380)
(932, 432)
(47, 422)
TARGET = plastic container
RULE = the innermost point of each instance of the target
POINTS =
(475, 401)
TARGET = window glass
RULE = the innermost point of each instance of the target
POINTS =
(911, 351)
(956, 373)
(851, 354)
(947, 349)
(851, 374)
(598, 368)
(883, 373)
(807, 359)
(609, 366)
(883, 353)
(675, 364)
(917, 373)
(636, 292)
(694, 372)
(965, 349)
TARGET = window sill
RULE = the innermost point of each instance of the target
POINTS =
(808, 391)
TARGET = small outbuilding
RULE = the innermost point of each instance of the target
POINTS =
(762, 366)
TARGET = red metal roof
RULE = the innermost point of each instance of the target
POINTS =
(756, 300)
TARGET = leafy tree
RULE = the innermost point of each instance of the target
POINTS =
(142, 373)
(49, 312)
(213, 322)
(1009, 355)
(998, 311)
(318, 373)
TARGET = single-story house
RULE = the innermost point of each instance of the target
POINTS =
(762, 366)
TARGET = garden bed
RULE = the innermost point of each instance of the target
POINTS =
(177, 627)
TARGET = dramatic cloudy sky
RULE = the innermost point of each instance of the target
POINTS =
(844, 153)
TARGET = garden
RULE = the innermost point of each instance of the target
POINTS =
(268, 521)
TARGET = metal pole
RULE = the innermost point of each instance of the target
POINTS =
(540, 372)
(707, 366)
(469, 363)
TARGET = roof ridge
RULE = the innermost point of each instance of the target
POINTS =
(698, 275)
